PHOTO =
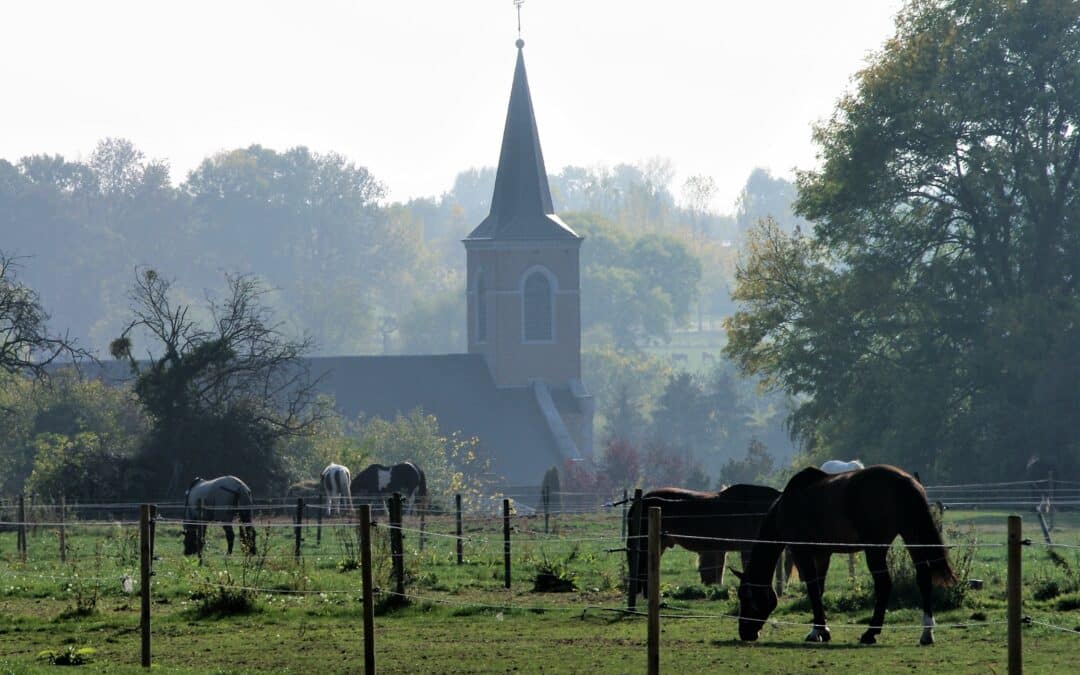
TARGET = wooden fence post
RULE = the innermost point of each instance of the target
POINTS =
(365, 581)
(506, 543)
(546, 498)
(457, 502)
(144, 582)
(298, 527)
(63, 539)
(200, 528)
(1050, 497)
(423, 509)
(633, 546)
(654, 590)
(397, 552)
(31, 519)
(622, 528)
(1013, 594)
(21, 529)
(318, 524)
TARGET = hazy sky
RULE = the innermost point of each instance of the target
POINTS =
(417, 91)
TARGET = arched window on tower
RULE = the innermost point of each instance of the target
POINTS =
(537, 306)
(481, 308)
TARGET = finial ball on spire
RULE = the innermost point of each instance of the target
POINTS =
(519, 43)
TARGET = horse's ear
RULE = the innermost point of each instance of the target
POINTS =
(737, 573)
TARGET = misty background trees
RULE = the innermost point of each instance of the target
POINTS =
(912, 300)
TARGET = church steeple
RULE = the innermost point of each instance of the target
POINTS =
(521, 204)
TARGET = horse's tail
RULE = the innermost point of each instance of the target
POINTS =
(243, 503)
(421, 487)
(919, 529)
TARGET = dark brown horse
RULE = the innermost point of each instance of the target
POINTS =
(694, 520)
(845, 512)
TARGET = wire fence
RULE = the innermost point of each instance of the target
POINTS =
(481, 536)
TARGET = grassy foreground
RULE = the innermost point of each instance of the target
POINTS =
(306, 617)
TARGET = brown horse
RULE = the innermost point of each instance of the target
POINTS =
(694, 520)
(831, 513)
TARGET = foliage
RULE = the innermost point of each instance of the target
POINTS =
(766, 197)
(624, 385)
(756, 468)
(665, 466)
(620, 464)
(451, 464)
(555, 576)
(639, 287)
(70, 655)
(223, 594)
(100, 421)
(931, 318)
(220, 396)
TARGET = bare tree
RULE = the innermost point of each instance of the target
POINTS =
(26, 345)
(235, 375)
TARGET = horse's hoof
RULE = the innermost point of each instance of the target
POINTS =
(868, 638)
(926, 640)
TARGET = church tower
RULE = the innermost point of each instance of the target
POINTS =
(523, 283)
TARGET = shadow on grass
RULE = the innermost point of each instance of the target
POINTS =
(790, 644)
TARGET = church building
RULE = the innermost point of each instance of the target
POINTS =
(518, 389)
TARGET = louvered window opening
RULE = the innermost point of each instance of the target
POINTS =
(537, 308)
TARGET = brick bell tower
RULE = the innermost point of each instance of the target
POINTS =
(523, 283)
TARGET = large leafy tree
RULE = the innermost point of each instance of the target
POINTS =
(933, 317)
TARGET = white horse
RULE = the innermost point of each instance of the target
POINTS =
(336, 481)
(217, 501)
(838, 466)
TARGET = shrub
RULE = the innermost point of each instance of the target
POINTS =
(68, 656)
(555, 576)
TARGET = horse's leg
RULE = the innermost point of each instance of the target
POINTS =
(814, 568)
(229, 536)
(923, 579)
(879, 569)
(708, 569)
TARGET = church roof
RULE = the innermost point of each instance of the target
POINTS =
(456, 388)
(459, 391)
(521, 206)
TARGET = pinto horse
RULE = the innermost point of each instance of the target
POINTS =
(336, 488)
(695, 520)
(819, 514)
(378, 480)
(217, 501)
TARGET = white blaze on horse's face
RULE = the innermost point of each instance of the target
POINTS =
(384, 479)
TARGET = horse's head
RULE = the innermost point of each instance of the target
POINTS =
(191, 539)
(756, 603)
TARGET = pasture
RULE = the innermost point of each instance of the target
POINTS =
(273, 612)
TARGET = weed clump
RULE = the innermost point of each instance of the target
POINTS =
(68, 656)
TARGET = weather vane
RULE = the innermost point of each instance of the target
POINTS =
(518, 4)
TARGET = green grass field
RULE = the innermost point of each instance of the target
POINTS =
(306, 615)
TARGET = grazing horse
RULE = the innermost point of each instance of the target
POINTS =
(217, 501)
(693, 520)
(837, 466)
(829, 513)
(336, 487)
(378, 480)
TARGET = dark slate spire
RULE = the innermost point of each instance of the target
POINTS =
(521, 205)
